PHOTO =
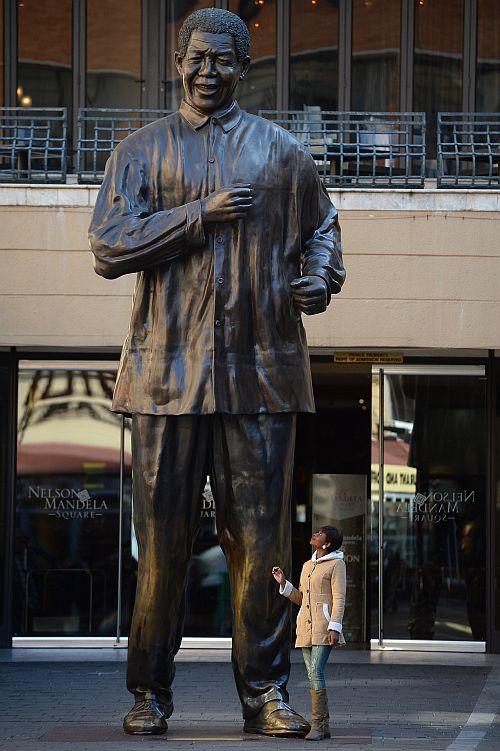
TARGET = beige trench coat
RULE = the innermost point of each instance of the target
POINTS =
(321, 596)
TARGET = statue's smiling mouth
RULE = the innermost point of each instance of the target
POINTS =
(207, 88)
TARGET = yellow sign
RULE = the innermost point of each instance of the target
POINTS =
(392, 358)
(398, 478)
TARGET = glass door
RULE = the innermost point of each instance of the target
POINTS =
(427, 559)
(73, 481)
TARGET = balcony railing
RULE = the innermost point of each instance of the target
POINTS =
(468, 150)
(360, 149)
(350, 149)
(33, 145)
(99, 132)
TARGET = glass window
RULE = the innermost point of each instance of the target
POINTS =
(113, 53)
(258, 89)
(67, 501)
(488, 56)
(438, 61)
(314, 50)
(4, 503)
(434, 507)
(1, 53)
(331, 477)
(45, 53)
(376, 34)
(177, 12)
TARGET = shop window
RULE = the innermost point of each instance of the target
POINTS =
(67, 501)
(438, 61)
(1, 54)
(258, 89)
(488, 56)
(314, 50)
(45, 53)
(434, 507)
(113, 53)
(376, 33)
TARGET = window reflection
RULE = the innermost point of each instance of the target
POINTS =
(488, 56)
(208, 599)
(177, 12)
(314, 31)
(258, 89)
(67, 510)
(45, 53)
(113, 53)
(1, 53)
(437, 84)
(434, 507)
(376, 35)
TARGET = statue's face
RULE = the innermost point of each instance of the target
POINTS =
(210, 70)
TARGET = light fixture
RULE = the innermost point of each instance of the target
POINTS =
(256, 24)
(19, 92)
(26, 101)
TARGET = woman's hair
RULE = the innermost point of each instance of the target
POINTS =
(334, 536)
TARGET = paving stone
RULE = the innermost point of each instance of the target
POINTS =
(401, 704)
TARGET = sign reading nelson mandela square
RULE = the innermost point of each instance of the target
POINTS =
(66, 503)
(437, 505)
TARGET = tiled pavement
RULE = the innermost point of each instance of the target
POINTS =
(74, 700)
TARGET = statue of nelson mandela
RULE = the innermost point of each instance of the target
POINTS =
(223, 218)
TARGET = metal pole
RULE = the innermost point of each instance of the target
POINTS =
(120, 532)
(381, 508)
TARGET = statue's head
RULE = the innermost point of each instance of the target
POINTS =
(212, 57)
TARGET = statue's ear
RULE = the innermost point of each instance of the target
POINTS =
(244, 67)
(178, 62)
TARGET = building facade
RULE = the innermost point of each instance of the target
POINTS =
(403, 451)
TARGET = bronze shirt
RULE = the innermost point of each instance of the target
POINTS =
(213, 327)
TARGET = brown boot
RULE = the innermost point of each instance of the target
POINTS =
(320, 725)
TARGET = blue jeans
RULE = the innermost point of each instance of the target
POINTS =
(315, 658)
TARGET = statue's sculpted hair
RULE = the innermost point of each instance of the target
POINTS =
(216, 21)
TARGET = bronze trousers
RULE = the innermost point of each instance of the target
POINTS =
(249, 459)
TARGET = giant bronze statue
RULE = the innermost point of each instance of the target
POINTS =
(224, 219)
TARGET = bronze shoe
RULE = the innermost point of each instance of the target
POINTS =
(148, 716)
(277, 718)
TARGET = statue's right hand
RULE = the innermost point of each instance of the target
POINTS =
(278, 575)
(227, 204)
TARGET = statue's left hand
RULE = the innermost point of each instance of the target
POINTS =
(310, 294)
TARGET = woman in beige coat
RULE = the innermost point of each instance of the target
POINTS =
(321, 596)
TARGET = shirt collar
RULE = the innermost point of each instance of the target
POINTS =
(328, 556)
(227, 119)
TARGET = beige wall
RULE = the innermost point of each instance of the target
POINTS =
(423, 270)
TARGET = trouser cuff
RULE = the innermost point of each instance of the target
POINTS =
(253, 704)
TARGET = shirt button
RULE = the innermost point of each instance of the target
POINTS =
(220, 240)
(220, 280)
(218, 323)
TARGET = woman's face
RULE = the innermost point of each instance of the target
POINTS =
(319, 539)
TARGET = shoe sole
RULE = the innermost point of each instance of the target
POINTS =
(145, 732)
(277, 733)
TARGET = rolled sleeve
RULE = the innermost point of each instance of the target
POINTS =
(334, 626)
(286, 589)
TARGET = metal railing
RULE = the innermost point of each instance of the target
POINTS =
(360, 149)
(33, 144)
(99, 132)
(350, 149)
(468, 150)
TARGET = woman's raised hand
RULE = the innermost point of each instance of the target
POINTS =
(279, 575)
